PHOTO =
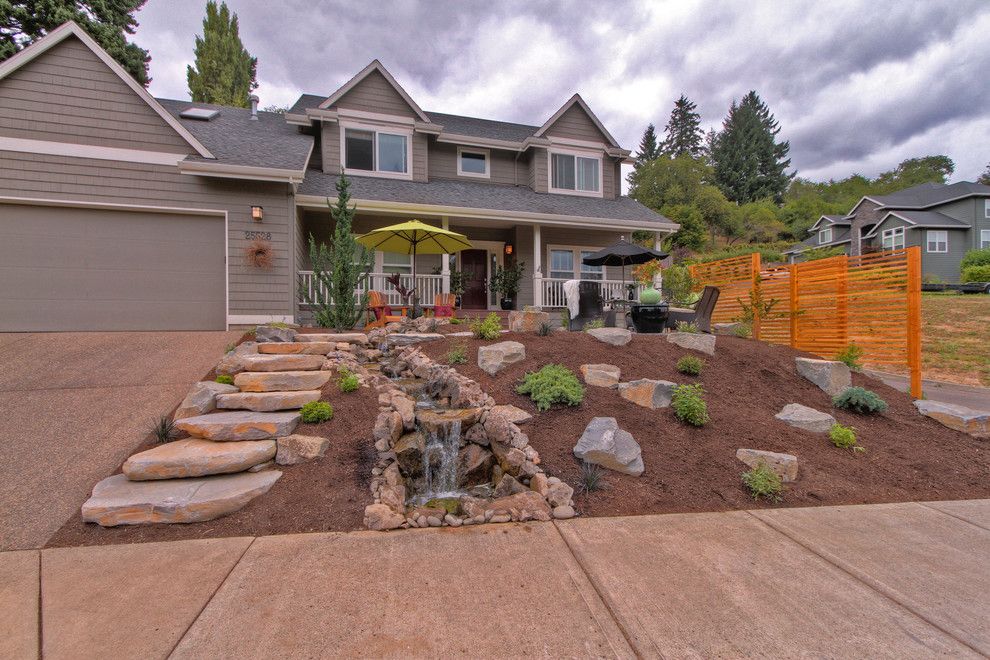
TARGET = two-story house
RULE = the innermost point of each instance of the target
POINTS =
(123, 211)
(945, 220)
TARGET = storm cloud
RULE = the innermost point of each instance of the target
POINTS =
(856, 86)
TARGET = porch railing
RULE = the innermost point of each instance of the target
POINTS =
(428, 286)
(553, 290)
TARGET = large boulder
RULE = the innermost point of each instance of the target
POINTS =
(281, 381)
(694, 341)
(528, 320)
(513, 414)
(267, 401)
(232, 426)
(613, 336)
(183, 459)
(495, 357)
(202, 398)
(727, 328)
(409, 451)
(831, 376)
(474, 466)
(605, 444)
(283, 362)
(292, 449)
(381, 517)
(234, 361)
(785, 465)
(118, 501)
(652, 394)
(297, 348)
(806, 418)
(272, 333)
(601, 375)
(974, 422)
(409, 338)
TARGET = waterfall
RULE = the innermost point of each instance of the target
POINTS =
(441, 449)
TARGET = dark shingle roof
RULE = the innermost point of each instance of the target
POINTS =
(305, 101)
(469, 194)
(235, 139)
(838, 219)
(932, 219)
(840, 235)
(483, 128)
(928, 194)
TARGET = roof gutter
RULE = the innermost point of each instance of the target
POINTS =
(224, 171)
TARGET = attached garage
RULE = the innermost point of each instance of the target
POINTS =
(66, 268)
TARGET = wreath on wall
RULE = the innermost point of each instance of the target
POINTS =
(259, 253)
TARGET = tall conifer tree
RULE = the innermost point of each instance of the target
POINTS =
(684, 135)
(224, 72)
(649, 149)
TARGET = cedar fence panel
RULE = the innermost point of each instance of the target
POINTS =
(873, 301)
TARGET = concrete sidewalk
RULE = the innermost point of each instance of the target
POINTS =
(968, 396)
(895, 580)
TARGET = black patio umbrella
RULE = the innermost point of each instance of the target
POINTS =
(623, 253)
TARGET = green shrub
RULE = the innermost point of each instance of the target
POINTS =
(163, 428)
(678, 285)
(348, 381)
(554, 383)
(592, 477)
(851, 356)
(490, 328)
(931, 278)
(565, 318)
(689, 405)
(594, 324)
(844, 437)
(545, 329)
(687, 326)
(225, 380)
(975, 258)
(457, 355)
(763, 482)
(743, 331)
(315, 412)
(455, 321)
(859, 400)
(976, 274)
(690, 365)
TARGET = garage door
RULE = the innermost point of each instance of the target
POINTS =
(87, 269)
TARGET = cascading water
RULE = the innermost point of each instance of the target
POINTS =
(440, 461)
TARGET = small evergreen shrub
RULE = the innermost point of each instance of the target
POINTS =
(455, 321)
(976, 274)
(545, 329)
(689, 405)
(225, 380)
(844, 437)
(554, 383)
(690, 365)
(594, 324)
(490, 328)
(851, 356)
(315, 412)
(592, 477)
(860, 400)
(348, 381)
(457, 355)
(163, 428)
(762, 482)
(687, 326)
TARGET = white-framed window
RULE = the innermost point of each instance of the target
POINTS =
(986, 208)
(984, 238)
(395, 262)
(562, 263)
(591, 272)
(567, 262)
(937, 240)
(576, 173)
(473, 162)
(893, 239)
(375, 151)
(825, 236)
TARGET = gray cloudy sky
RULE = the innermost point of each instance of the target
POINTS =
(856, 86)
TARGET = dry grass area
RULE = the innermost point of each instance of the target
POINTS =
(955, 338)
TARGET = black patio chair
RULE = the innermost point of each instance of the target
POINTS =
(590, 305)
(701, 315)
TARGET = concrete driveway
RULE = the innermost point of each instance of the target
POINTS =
(73, 406)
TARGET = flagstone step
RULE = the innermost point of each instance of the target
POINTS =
(267, 401)
(281, 381)
(334, 337)
(297, 348)
(242, 425)
(118, 501)
(183, 459)
(269, 363)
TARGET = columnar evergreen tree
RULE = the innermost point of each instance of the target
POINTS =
(224, 72)
(684, 134)
(649, 149)
(749, 162)
(22, 22)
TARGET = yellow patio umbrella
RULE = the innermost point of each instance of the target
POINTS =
(412, 238)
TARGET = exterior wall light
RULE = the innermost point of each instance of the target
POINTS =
(258, 213)
(508, 248)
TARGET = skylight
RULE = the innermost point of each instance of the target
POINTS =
(205, 114)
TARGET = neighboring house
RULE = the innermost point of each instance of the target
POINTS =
(945, 220)
(122, 211)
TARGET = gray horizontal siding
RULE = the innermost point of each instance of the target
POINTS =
(538, 170)
(375, 94)
(576, 125)
(443, 165)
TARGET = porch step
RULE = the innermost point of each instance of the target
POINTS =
(184, 459)
(118, 501)
(267, 401)
(297, 348)
(228, 426)
(281, 381)
(283, 362)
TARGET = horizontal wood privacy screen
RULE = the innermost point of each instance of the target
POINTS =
(873, 301)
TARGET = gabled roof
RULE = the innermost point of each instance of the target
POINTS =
(926, 195)
(577, 100)
(832, 220)
(364, 73)
(483, 128)
(922, 220)
(72, 29)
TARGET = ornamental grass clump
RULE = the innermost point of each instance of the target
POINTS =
(489, 329)
(225, 380)
(690, 365)
(348, 381)
(860, 400)
(689, 405)
(763, 483)
(592, 477)
(552, 384)
(457, 355)
(163, 428)
(687, 326)
(315, 412)
(545, 329)
(844, 437)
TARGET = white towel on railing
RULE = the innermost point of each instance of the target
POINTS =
(572, 294)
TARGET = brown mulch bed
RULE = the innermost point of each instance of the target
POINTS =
(908, 457)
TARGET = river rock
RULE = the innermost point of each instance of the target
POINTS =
(613, 336)
(695, 341)
(267, 401)
(202, 398)
(526, 505)
(184, 459)
(296, 348)
(527, 320)
(652, 394)
(563, 512)
(380, 517)
(474, 466)
(831, 376)
(559, 494)
(605, 444)
(288, 362)
(508, 485)
(601, 375)
(281, 381)
(118, 501)
(495, 357)
(239, 425)
(785, 465)
(806, 418)
(292, 449)
(271, 333)
(960, 418)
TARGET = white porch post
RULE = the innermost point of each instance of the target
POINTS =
(445, 265)
(537, 268)
(657, 243)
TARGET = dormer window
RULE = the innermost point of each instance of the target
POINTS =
(473, 162)
(825, 236)
(575, 173)
(378, 152)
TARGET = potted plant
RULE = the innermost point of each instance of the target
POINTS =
(505, 282)
(458, 280)
(650, 315)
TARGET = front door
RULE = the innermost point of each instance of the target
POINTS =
(474, 264)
